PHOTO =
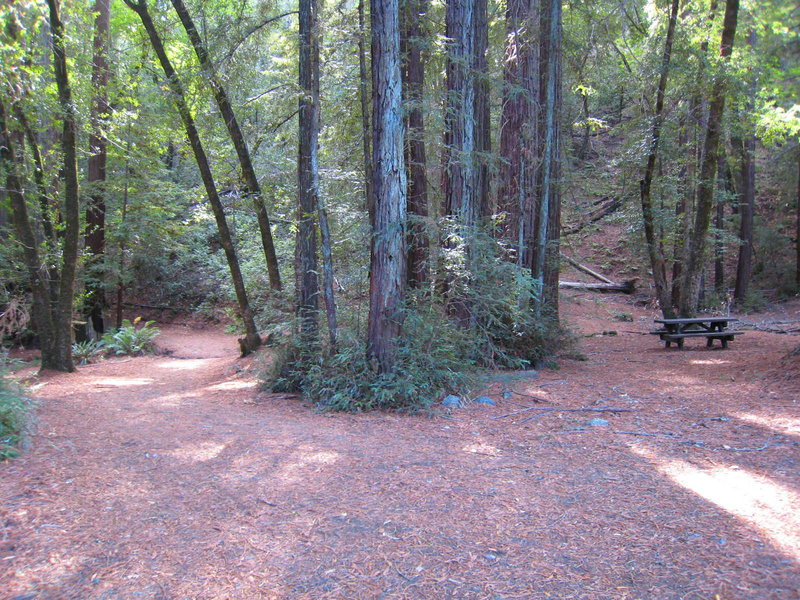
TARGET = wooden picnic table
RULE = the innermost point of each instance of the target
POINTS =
(677, 330)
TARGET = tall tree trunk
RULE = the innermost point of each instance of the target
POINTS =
(519, 131)
(61, 358)
(719, 234)
(388, 255)
(95, 236)
(657, 262)
(548, 218)
(797, 226)
(413, 40)
(459, 172)
(747, 201)
(239, 143)
(251, 341)
(686, 203)
(459, 180)
(366, 130)
(483, 122)
(307, 284)
(705, 189)
(42, 298)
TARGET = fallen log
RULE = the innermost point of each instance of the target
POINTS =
(585, 269)
(628, 287)
(609, 206)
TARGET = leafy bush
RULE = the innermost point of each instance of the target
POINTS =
(130, 339)
(15, 412)
(86, 350)
(431, 362)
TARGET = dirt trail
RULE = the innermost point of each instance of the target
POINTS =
(174, 477)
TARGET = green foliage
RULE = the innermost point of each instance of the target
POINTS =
(86, 350)
(16, 409)
(130, 339)
(430, 363)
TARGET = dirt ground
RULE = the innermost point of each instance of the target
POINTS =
(175, 477)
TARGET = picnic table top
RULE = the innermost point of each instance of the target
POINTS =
(696, 320)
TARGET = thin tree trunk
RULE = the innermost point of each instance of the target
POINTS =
(482, 123)
(38, 176)
(719, 234)
(251, 341)
(121, 268)
(412, 43)
(686, 204)
(61, 359)
(307, 284)
(797, 226)
(705, 189)
(747, 203)
(548, 221)
(95, 236)
(388, 256)
(366, 131)
(239, 143)
(657, 262)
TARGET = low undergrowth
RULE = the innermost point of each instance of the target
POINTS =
(16, 412)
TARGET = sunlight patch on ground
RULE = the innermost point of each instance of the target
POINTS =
(199, 452)
(121, 381)
(241, 384)
(481, 448)
(763, 504)
(709, 361)
(303, 462)
(187, 364)
(783, 424)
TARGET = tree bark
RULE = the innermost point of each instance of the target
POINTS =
(548, 220)
(519, 130)
(747, 200)
(657, 262)
(95, 236)
(459, 179)
(797, 227)
(366, 130)
(482, 122)
(251, 341)
(239, 143)
(307, 284)
(459, 172)
(61, 357)
(388, 254)
(42, 298)
(413, 39)
(705, 190)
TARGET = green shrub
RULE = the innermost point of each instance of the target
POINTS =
(431, 362)
(16, 409)
(130, 339)
(86, 350)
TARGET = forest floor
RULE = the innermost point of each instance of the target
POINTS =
(176, 477)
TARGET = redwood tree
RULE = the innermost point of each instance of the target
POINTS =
(306, 281)
(388, 252)
(96, 169)
(413, 41)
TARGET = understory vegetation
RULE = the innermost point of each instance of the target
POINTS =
(16, 412)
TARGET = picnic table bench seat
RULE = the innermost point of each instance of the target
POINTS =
(711, 328)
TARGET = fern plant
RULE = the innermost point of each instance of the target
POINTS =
(130, 339)
(86, 350)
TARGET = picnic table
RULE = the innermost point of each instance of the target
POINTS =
(712, 328)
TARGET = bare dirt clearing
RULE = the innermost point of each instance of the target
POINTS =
(174, 477)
